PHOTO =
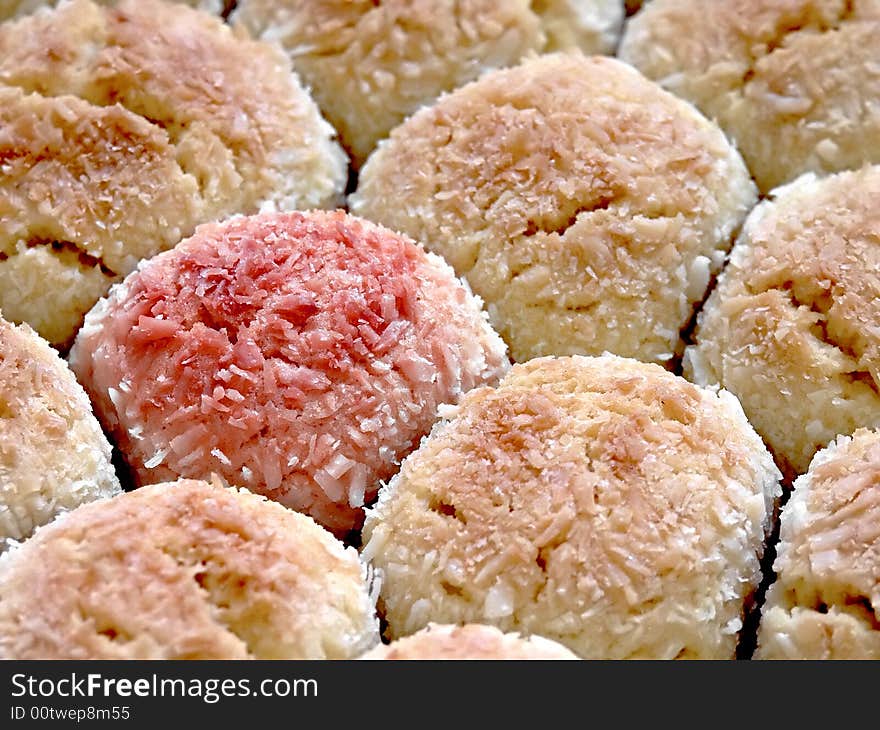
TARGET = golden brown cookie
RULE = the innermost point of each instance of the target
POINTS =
(586, 206)
(602, 503)
(370, 65)
(825, 603)
(145, 119)
(53, 454)
(184, 570)
(792, 327)
(795, 83)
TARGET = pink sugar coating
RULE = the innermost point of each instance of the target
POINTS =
(301, 355)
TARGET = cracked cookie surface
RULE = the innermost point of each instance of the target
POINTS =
(795, 83)
(791, 328)
(588, 207)
(125, 127)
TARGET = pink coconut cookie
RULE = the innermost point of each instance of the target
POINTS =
(298, 355)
